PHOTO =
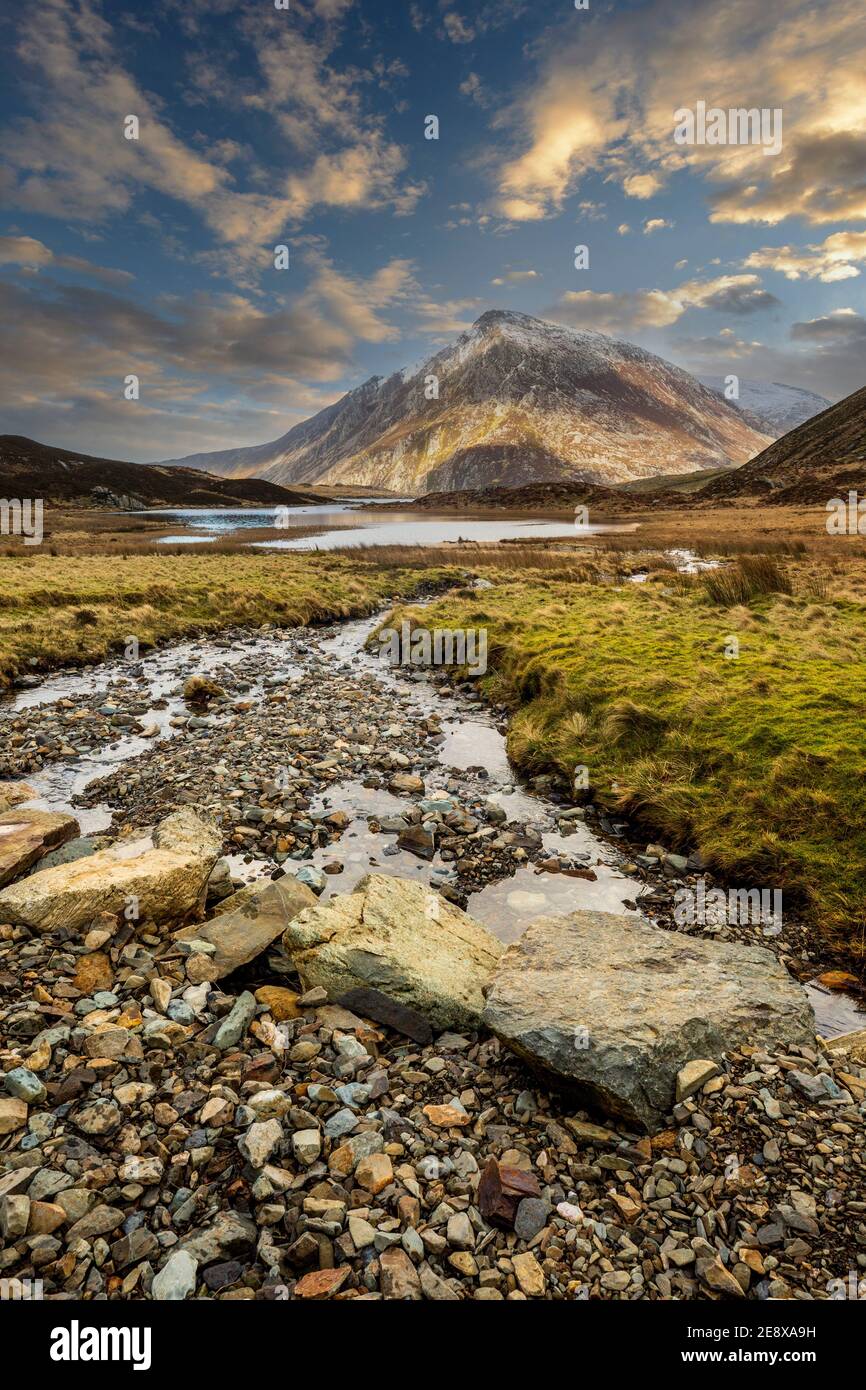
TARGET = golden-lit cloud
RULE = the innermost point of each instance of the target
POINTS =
(834, 259)
(608, 86)
(642, 185)
(33, 255)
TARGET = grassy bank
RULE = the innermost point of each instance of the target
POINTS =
(57, 610)
(756, 760)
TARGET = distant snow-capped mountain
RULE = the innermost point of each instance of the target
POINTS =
(514, 400)
(776, 407)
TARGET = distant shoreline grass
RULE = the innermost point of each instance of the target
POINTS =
(756, 761)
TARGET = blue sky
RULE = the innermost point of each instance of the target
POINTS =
(306, 127)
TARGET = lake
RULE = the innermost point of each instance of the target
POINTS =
(366, 528)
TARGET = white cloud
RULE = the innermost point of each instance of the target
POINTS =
(516, 277)
(631, 310)
(642, 185)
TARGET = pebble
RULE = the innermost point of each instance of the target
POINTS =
(256, 1140)
(176, 1280)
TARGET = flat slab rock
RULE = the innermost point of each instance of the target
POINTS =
(401, 938)
(26, 835)
(241, 933)
(614, 1007)
(167, 875)
(13, 793)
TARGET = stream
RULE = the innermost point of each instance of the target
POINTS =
(466, 762)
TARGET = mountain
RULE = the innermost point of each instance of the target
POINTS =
(519, 400)
(775, 408)
(817, 461)
(28, 469)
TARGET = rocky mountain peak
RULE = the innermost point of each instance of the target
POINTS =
(513, 400)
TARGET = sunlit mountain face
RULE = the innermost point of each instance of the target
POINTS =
(220, 219)
(514, 400)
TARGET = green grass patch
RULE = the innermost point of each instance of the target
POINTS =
(757, 761)
(65, 609)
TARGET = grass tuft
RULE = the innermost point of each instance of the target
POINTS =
(751, 577)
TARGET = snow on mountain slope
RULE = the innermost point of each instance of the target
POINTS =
(776, 407)
(514, 400)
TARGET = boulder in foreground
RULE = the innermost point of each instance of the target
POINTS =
(26, 835)
(614, 1007)
(403, 939)
(167, 875)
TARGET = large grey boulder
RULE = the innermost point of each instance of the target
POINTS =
(249, 922)
(166, 874)
(613, 1007)
(401, 938)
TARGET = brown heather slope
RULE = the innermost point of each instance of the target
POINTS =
(533, 497)
(30, 469)
(821, 459)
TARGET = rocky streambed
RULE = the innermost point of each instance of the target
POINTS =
(253, 1047)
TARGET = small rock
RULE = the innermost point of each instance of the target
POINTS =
(176, 1280)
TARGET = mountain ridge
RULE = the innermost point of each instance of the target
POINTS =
(31, 469)
(775, 407)
(513, 400)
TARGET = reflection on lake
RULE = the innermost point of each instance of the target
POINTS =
(222, 520)
(350, 524)
(405, 528)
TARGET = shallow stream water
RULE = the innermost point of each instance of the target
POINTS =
(472, 749)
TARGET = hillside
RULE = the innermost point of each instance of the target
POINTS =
(61, 476)
(537, 498)
(821, 459)
(519, 400)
